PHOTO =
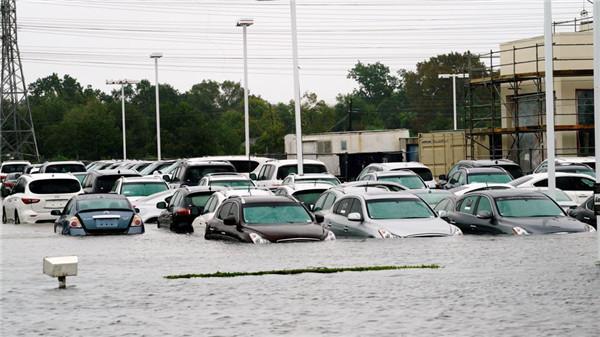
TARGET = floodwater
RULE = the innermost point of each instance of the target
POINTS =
(488, 286)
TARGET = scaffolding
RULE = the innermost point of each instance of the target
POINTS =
(505, 96)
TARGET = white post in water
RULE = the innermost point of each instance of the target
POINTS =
(597, 103)
(549, 66)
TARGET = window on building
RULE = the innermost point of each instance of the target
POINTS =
(585, 116)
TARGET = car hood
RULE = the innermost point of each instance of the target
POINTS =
(414, 227)
(546, 225)
(289, 232)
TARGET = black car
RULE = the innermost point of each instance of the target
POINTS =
(92, 214)
(8, 183)
(180, 209)
(189, 172)
(510, 166)
(491, 175)
(265, 219)
(102, 181)
(511, 212)
(585, 212)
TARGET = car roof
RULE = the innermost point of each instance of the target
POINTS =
(16, 162)
(491, 169)
(116, 172)
(294, 162)
(226, 176)
(517, 192)
(239, 157)
(579, 160)
(386, 195)
(44, 176)
(143, 179)
(206, 162)
(402, 165)
(397, 173)
(245, 192)
(100, 196)
(257, 199)
(197, 189)
(430, 191)
(308, 186)
(311, 175)
(488, 162)
(64, 162)
(544, 175)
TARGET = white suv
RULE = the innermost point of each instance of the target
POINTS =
(135, 188)
(271, 173)
(34, 197)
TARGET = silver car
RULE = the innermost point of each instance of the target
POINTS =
(386, 215)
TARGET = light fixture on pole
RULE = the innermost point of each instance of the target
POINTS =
(245, 23)
(156, 56)
(454, 76)
(296, 73)
(123, 83)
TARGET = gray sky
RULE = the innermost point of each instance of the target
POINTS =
(96, 40)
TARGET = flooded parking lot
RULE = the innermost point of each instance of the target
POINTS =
(488, 286)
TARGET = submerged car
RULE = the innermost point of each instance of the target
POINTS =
(515, 211)
(265, 219)
(386, 215)
(180, 210)
(92, 214)
(585, 212)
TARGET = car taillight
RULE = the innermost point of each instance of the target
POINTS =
(28, 201)
(9, 184)
(183, 211)
(74, 222)
(2, 176)
(136, 221)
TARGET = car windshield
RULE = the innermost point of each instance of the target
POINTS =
(198, 199)
(423, 172)
(410, 182)
(233, 183)
(10, 168)
(332, 181)
(276, 214)
(387, 209)
(64, 168)
(308, 197)
(143, 189)
(524, 207)
(54, 186)
(102, 203)
(500, 178)
(286, 170)
(432, 199)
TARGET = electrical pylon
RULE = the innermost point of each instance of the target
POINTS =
(17, 135)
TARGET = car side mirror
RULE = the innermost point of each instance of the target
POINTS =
(253, 176)
(355, 217)
(166, 178)
(319, 218)
(161, 205)
(230, 221)
(571, 212)
(137, 210)
(56, 212)
(484, 215)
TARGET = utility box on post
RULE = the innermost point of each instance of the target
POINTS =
(61, 267)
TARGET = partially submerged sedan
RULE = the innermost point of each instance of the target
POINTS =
(514, 211)
(90, 214)
(386, 215)
(265, 219)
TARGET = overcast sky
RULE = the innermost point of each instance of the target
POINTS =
(96, 40)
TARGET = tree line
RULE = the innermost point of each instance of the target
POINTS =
(73, 121)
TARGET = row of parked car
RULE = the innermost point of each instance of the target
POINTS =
(388, 199)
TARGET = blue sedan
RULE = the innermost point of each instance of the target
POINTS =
(91, 214)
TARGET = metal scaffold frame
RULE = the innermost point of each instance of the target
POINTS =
(485, 101)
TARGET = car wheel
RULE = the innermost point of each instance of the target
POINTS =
(17, 220)
(3, 215)
(157, 223)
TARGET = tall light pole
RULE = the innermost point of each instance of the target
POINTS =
(454, 76)
(245, 23)
(156, 56)
(296, 73)
(549, 70)
(596, 31)
(123, 83)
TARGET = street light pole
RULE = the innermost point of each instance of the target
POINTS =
(123, 83)
(454, 76)
(245, 23)
(156, 56)
(596, 31)
(549, 69)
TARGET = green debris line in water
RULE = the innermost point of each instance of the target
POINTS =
(318, 270)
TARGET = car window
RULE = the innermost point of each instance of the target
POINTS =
(286, 170)
(462, 178)
(454, 178)
(224, 211)
(343, 207)
(175, 199)
(356, 207)
(20, 186)
(287, 180)
(234, 211)
(441, 205)
(467, 205)
(54, 186)
(454, 169)
(212, 201)
(321, 201)
(484, 205)
(69, 207)
(330, 200)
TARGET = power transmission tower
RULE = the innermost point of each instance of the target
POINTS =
(17, 135)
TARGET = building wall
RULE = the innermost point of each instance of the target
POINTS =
(350, 142)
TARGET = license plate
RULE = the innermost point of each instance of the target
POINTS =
(55, 204)
(106, 224)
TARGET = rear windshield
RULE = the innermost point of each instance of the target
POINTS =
(143, 189)
(245, 166)
(500, 178)
(65, 168)
(308, 197)
(238, 183)
(410, 182)
(198, 199)
(103, 203)
(514, 170)
(286, 170)
(104, 184)
(423, 172)
(11, 168)
(195, 173)
(54, 186)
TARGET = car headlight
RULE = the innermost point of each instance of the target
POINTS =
(590, 228)
(519, 231)
(258, 239)
(330, 236)
(455, 231)
(385, 234)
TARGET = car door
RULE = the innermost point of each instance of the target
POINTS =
(13, 201)
(216, 229)
(166, 216)
(357, 228)
(464, 215)
(578, 188)
(485, 226)
(337, 220)
(61, 224)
